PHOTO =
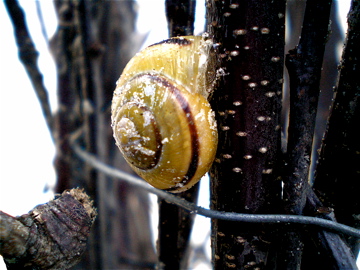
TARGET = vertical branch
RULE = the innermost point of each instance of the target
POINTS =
(67, 119)
(250, 39)
(82, 60)
(28, 55)
(304, 66)
(125, 239)
(338, 171)
(180, 16)
(93, 42)
(68, 47)
(175, 224)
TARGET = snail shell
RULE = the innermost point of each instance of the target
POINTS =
(161, 118)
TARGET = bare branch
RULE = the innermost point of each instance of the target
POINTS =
(338, 171)
(51, 236)
(304, 66)
(41, 20)
(332, 245)
(28, 56)
(180, 15)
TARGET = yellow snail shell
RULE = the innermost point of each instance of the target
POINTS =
(161, 118)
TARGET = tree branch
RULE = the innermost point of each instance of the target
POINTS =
(329, 247)
(28, 56)
(250, 44)
(41, 20)
(51, 236)
(180, 15)
(304, 66)
(338, 171)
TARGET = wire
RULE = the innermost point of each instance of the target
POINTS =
(239, 217)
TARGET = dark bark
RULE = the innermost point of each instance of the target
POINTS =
(328, 80)
(295, 14)
(175, 226)
(304, 67)
(250, 35)
(324, 249)
(180, 16)
(337, 174)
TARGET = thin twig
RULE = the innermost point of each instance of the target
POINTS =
(41, 20)
(28, 56)
(251, 218)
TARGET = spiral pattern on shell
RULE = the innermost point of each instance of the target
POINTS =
(162, 121)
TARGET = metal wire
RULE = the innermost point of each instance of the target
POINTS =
(239, 217)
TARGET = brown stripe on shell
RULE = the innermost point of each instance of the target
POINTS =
(191, 123)
(178, 41)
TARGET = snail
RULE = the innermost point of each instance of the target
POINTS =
(160, 115)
